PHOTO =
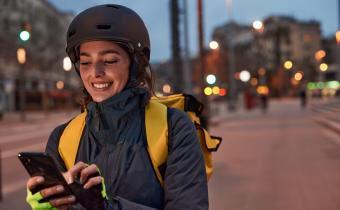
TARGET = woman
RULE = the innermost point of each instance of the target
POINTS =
(109, 46)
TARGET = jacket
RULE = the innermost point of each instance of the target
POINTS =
(114, 139)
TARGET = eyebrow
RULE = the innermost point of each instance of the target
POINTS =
(100, 53)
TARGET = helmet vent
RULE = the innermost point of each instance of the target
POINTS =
(112, 5)
(103, 27)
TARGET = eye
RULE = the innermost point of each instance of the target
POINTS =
(84, 63)
(111, 61)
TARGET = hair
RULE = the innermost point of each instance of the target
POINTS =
(144, 78)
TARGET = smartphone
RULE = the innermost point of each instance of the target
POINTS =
(41, 164)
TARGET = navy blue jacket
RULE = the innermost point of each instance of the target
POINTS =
(114, 139)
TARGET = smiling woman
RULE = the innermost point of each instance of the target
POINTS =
(110, 49)
(104, 69)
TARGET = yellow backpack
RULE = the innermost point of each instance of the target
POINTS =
(156, 131)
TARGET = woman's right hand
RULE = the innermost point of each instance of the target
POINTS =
(62, 203)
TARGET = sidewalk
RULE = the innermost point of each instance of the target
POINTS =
(325, 112)
(10, 118)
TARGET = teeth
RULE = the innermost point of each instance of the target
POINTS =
(101, 85)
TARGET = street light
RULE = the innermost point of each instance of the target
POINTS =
(337, 37)
(298, 75)
(245, 76)
(67, 64)
(211, 79)
(21, 55)
(288, 65)
(323, 67)
(320, 54)
(258, 25)
(213, 45)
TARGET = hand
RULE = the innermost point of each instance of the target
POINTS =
(83, 172)
(59, 203)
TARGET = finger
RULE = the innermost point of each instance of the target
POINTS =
(51, 191)
(87, 172)
(72, 174)
(93, 182)
(34, 181)
(62, 203)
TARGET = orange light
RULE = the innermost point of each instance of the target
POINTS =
(337, 37)
(294, 82)
(263, 90)
(320, 55)
(216, 90)
(288, 65)
(21, 55)
(59, 85)
(223, 92)
(261, 71)
(298, 75)
(253, 81)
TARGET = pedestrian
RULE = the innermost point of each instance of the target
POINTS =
(264, 102)
(110, 49)
(303, 95)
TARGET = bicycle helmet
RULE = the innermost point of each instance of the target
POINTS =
(108, 22)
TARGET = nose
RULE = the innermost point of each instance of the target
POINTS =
(99, 70)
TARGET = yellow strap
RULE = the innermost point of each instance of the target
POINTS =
(157, 135)
(69, 140)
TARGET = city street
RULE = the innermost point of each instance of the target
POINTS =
(281, 160)
(284, 159)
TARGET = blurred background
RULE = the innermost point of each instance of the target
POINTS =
(267, 72)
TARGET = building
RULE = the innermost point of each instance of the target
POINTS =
(34, 81)
(280, 39)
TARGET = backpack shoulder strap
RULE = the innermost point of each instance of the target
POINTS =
(70, 138)
(156, 125)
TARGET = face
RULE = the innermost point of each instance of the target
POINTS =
(104, 69)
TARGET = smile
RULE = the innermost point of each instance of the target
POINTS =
(102, 86)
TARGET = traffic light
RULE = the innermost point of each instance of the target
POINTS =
(25, 32)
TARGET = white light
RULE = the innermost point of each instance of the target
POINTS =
(211, 79)
(166, 88)
(245, 76)
(257, 24)
(213, 45)
(67, 64)
(24, 35)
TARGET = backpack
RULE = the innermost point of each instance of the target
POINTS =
(156, 126)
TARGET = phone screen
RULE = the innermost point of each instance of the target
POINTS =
(41, 164)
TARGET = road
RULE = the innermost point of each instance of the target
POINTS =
(280, 160)
(276, 161)
(19, 136)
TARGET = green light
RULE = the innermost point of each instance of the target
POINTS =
(332, 84)
(24, 35)
(311, 85)
(320, 85)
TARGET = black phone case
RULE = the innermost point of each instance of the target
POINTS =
(41, 164)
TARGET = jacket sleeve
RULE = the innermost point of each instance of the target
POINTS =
(185, 181)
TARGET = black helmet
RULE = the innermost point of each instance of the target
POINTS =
(108, 22)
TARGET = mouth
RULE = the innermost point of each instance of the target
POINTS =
(101, 86)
